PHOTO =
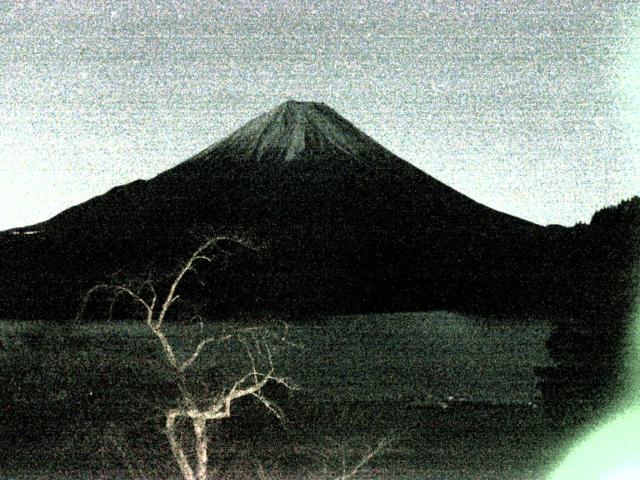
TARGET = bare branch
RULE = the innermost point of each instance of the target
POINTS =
(202, 257)
(197, 255)
(269, 357)
(237, 391)
(366, 459)
(166, 346)
(194, 356)
(254, 369)
(271, 406)
(285, 382)
(87, 297)
(118, 291)
(135, 297)
(112, 303)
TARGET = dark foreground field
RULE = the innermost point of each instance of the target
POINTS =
(453, 397)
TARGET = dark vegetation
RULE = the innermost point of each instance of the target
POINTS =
(596, 290)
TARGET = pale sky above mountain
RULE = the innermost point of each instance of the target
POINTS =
(532, 108)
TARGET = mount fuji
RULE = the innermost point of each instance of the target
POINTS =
(347, 227)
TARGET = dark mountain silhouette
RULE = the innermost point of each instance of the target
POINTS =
(348, 226)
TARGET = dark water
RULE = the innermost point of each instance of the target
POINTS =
(420, 357)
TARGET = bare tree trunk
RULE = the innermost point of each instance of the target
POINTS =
(200, 429)
(176, 448)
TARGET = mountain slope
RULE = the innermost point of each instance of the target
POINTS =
(348, 226)
(291, 149)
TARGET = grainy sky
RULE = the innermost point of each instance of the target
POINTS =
(532, 108)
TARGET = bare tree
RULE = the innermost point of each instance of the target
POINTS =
(192, 406)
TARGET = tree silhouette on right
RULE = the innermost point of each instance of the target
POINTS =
(589, 342)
